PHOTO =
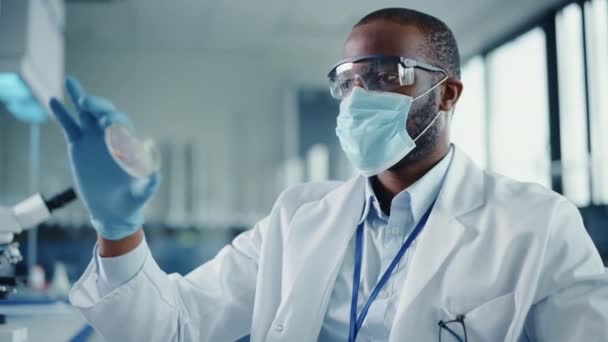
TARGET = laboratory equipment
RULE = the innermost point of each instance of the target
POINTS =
(24, 215)
(31, 57)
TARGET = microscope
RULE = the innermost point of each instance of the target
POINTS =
(25, 215)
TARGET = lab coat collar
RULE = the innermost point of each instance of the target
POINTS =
(463, 188)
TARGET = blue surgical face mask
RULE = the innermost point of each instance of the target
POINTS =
(371, 129)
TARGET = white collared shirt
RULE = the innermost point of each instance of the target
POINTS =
(382, 238)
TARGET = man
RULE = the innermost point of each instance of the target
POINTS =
(423, 246)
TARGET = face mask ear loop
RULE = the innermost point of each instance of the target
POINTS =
(430, 89)
(438, 113)
(428, 126)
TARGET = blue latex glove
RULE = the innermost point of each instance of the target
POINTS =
(113, 198)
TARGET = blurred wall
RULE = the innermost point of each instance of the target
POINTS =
(14, 147)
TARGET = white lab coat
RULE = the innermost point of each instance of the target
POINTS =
(513, 257)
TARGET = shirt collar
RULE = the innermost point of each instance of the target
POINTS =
(371, 201)
(418, 196)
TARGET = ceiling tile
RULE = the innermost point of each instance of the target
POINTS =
(171, 25)
(249, 24)
(264, 25)
(107, 24)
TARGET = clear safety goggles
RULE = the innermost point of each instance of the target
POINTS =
(374, 73)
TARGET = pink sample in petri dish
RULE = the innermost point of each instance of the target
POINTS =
(138, 158)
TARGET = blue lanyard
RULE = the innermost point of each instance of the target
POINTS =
(357, 322)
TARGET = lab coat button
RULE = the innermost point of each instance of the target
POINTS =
(278, 328)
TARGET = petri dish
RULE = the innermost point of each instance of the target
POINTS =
(139, 158)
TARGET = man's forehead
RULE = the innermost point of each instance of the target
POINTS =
(384, 38)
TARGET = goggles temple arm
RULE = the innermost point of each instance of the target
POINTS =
(410, 63)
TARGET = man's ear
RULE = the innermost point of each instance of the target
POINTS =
(451, 93)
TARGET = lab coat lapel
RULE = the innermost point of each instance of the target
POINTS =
(316, 243)
(462, 191)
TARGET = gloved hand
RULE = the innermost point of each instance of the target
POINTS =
(113, 198)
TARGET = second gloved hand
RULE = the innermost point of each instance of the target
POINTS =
(113, 198)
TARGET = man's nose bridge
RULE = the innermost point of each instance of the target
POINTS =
(359, 82)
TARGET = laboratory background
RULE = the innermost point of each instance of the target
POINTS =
(235, 96)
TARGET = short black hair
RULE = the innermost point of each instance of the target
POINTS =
(442, 49)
